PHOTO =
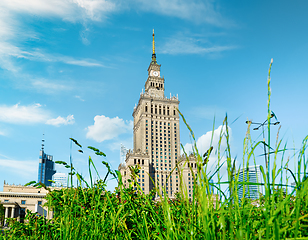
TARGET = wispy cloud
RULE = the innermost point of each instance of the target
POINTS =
(39, 55)
(189, 45)
(13, 30)
(31, 114)
(49, 86)
(69, 10)
(106, 128)
(80, 98)
(193, 10)
(8, 50)
(21, 168)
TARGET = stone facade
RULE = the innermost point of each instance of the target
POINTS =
(17, 199)
(156, 139)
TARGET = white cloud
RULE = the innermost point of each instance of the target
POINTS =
(20, 168)
(188, 45)
(106, 128)
(2, 133)
(211, 139)
(61, 121)
(31, 114)
(23, 114)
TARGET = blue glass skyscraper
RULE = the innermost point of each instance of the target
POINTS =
(46, 168)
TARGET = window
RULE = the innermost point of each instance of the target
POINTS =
(39, 202)
(6, 200)
(23, 201)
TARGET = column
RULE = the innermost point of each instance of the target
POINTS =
(6, 214)
(13, 212)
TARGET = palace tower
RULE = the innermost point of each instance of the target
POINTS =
(156, 136)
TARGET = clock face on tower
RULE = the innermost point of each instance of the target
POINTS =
(155, 73)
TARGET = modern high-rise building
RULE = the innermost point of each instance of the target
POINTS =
(46, 168)
(60, 180)
(156, 146)
(250, 174)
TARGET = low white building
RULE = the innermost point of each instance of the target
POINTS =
(17, 199)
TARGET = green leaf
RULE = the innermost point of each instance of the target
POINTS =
(119, 176)
(30, 183)
(100, 154)
(61, 162)
(93, 148)
(75, 141)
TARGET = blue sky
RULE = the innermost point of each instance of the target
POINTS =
(75, 68)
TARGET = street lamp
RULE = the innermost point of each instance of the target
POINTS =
(257, 128)
(262, 125)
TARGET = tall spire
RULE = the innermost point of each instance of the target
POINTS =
(153, 46)
(43, 140)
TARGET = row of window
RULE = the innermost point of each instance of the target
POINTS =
(159, 85)
(158, 109)
(192, 165)
(23, 202)
(139, 161)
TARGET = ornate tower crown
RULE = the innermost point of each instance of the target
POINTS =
(155, 83)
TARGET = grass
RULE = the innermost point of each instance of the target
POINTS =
(89, 211)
